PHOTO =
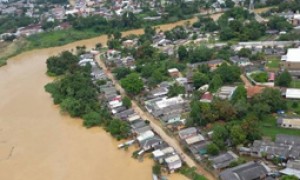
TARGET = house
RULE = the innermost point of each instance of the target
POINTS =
(194, 139)
(159, 92)
(292, 93)
(240, 61)
(287, 122)
(214, 64)
(248, 171)
(291, 61)
(292, 168)
(285, 147)
(171, 118)
(187, 133)
(160, 154)
(133, 117)
(296, 20)
(124, 114)
(112, 56)
(173, 162)
(150, 143)
(182, 81)
(223, 160)
(225, 92)
(139, 127)
(271, 77)
(254, 90)
(161, 105)
(206, 97)
(145, 135)
(174, 72)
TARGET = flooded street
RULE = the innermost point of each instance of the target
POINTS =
(37, 142)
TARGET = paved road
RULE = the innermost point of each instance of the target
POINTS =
(156, 125)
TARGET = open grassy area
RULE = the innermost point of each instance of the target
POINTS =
(58, 38)
(273, 62)
(295, 83)
(270, 128)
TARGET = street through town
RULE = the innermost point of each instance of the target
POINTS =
(155, 124)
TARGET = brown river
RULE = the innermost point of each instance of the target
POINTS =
(37, 142)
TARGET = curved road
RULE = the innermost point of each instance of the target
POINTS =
(156, 125)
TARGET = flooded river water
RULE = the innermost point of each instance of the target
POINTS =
(37, 142)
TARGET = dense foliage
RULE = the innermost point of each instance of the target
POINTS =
(77, 94)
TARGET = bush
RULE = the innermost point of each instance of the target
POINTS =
(213, 149)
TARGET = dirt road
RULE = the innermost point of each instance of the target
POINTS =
(156, 125)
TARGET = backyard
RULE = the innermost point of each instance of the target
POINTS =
(273, 63)
(269, 128)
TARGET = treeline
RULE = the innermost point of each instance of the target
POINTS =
(77, 95)
(12, 23)
(242, 115)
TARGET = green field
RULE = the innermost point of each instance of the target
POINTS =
(270, 128)
(58, 38)
(273, 62)
(295, 84)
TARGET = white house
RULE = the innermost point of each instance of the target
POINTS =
(292, 93)
(173, 162)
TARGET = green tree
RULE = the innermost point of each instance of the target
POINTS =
(92, 119)
(175, 90)
(182, 53)
(213, 149)
(284, 79)
(272, 98)
(224, 109)
(288, 177)
(245, 52)
(156, 169)
(200, 79)
(251, 128)
(126, 101)
(279, 23)
(215, 83)
(132, 84)
(239, 94)
(229, 3)
(118, 128)
(121, 72)
(237, 135)
(219, 136)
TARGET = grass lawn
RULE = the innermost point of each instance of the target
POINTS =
(295, 84)
(273, 62)
(270, 128)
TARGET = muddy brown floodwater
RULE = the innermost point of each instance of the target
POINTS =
(37, 142)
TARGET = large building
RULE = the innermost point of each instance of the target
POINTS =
(291, 61)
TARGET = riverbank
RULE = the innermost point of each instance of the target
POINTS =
(38, 142)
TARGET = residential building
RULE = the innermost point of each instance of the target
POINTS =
(240, 61)
(292, 93)
(225, 92)
(171, 118)
(151, 143)
(194, 139)
(292, 168)
(291, 61)
(187, 133)
(289, 122)
(223, 160)
(173, 162)
(254, 90)
(174, 72)
(248, 171)
(206, 97)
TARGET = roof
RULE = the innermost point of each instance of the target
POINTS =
(290, 121)
(271, 76)
(293, 55)
(223, 160)
(194, 139)
(248, 171)
(169, 102)
(226, 92)
(292, 93)
(206, 97)
(172, 158)
(145, 135)
(173, 70)
(159, 91)
(186, 132)
(151, 141)
(291, 171)
(287, 139)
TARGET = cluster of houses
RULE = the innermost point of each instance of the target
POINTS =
(113, 58)
(141, 131)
